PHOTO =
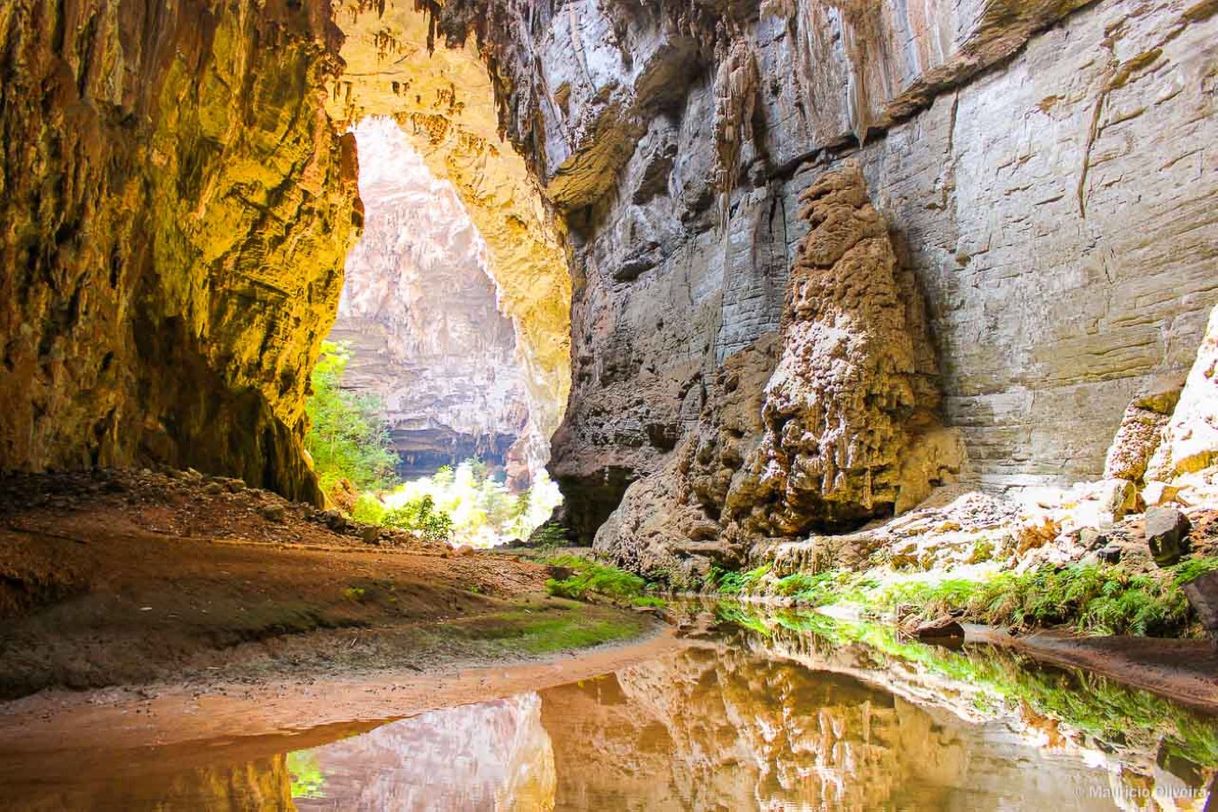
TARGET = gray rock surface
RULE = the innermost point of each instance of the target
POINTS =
(1167, 535)
(1043, 168)
(420, 313)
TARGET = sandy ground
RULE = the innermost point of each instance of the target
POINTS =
(272, 717)
(193, 608)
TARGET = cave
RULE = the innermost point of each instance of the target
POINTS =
(419, 314)
(820, 312)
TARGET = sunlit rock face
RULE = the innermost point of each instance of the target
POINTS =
(176, 208)
(1043, 169)
(420, 313)
(445, 104)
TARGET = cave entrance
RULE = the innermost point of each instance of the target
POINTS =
(477, 318)
(420, 319)
(429, 366)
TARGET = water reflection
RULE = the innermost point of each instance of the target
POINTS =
(493, 755)
(765, 712)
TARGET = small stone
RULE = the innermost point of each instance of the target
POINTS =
(1167, 535)
(214, 488)
(1109, 555)
(371, 534)
(1091, 539)
(274, 512)
(462, 550)
(336, 521)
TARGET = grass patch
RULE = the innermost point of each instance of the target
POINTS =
(590, 579)
(1194, 568)
(1092, 598)
(546, 632)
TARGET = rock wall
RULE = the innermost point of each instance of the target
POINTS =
(1043, 169)
(176, 210)
(421, 315)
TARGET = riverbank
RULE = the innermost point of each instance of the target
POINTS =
(123, 579)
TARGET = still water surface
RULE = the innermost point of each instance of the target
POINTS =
(775, 711)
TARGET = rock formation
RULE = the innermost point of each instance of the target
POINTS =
(816, 437)
(177, 203)
(421, 315)
(1189, 441)
(176, 210)
(1041, 167)
(839, 408)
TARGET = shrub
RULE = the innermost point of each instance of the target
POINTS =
(732, 582)
(347, 437)
(421, 516)
(590, 578)
(1094, 598)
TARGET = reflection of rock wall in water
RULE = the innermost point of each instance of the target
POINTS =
(705, 729)
(494, 755)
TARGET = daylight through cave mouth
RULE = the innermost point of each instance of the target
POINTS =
(431, 360)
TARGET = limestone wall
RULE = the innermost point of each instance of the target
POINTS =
(176, 208)
(1044, 169)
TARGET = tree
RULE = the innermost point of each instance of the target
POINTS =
(347, 438)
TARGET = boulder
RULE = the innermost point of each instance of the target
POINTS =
(274, 512)
(1202, 594)
(1167, 535)
(1118, 497)
(940, 629)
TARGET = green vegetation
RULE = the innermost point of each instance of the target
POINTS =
(573, 626)
(1093, 598)
(590, 578)
(419, 515)
(1194, 568)
(466, 504)
(350, 446)
(347, 438)
(308, 781)
(550, 536)
(731, 582)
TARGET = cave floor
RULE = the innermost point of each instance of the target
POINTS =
(145, 583)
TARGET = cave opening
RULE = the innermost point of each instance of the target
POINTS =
(424, 356)
(455, 313)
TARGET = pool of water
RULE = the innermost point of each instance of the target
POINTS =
(758, 711)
